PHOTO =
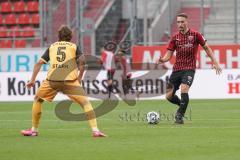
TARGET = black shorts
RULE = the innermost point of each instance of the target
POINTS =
(110, 74)
(127, 85)
(181, 77)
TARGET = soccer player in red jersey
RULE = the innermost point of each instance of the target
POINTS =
(185, 43)
(126, 74)
(108, 61)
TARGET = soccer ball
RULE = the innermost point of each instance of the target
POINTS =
(153, 117)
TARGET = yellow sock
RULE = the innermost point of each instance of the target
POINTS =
(90, 114)
(36, 114)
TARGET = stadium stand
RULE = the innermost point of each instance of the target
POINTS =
(121, 29)
(6, 7)
(92, 10)
(35, 19)
(95, 8)
(107, 29)
(32, 6)
(3, 32)
(1, 19)
(19, 6)
(20, 43)
(219, 28)
(18, 16)
(218, 20)
(24, 19)
(194, 19)
(28, 31)
(15, 32)
(5, 43)
(19, 20)
(10, 19)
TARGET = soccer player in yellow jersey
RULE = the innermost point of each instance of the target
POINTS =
(65, 59)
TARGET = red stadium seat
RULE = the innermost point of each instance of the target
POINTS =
(1, 44)
(19, 6)
(28, 31)
(10, 19)
(32, 6)
(6, 44)
(35, 19)
(15, 32)
(24, 18)
(1, 19)
(3, 32)
(20, 43)
(6, 7)
(36, 43)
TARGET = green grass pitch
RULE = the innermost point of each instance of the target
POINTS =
(211, 132)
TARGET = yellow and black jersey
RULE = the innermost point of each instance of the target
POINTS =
(63, 61)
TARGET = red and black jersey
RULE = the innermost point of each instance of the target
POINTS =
(108, 60)
(125, 66)
(186, 46)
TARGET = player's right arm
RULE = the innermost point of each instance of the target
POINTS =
(170, 49)
(166, 57)
(36, 69)
(44, 59)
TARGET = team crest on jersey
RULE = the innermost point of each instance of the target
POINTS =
(190, 39)
(189, 78)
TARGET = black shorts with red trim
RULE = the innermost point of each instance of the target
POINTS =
(181, 77)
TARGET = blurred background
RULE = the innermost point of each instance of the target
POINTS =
(28, 27)
(34, 23)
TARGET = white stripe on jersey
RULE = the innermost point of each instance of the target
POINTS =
(108, 60)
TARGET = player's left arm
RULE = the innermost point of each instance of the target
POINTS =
(81, 62)
(215, 64)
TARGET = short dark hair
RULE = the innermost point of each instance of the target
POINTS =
(183, 15)
(64, 33)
